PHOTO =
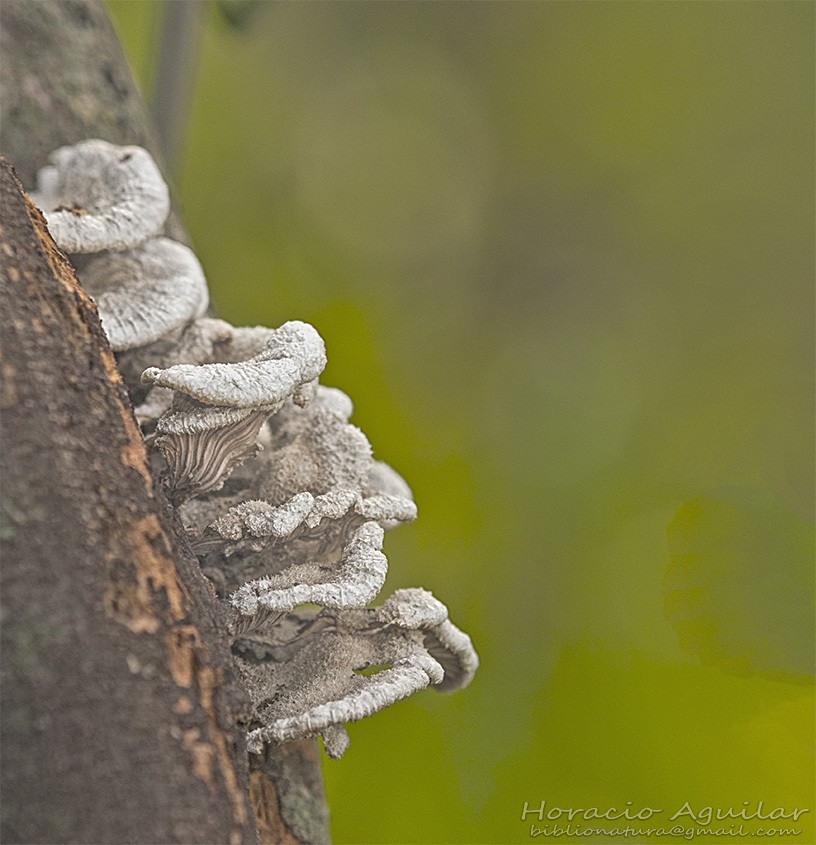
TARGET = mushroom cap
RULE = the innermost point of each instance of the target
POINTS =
(334, 401)
(98, 196)
(254, 539)
(453, 650)
(305, 684)
(213, 424)
(335, 741)
(314, 448)
(144, 293)
(417, 609)
(412, 608)
(385, 480)
(260, 519)
(293, 355)
(353, 582)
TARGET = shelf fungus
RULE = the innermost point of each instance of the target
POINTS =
(304, 678)
(282, 498)
(292, 357)
(315, 448)
(97, 196)
(216, 415)
(354, 581)
(254, 524)
(317, 452)
(145, 293)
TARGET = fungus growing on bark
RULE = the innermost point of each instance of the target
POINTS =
(145, 293)
(302, 524)
(214, 420)
(316, 452)
(384, 480)
(315, 449)
(303, 679)
(254, 524)
(202, 444)
(254, 539)
(353, 582)
(293, 355)
(98, 196)
(203, 341)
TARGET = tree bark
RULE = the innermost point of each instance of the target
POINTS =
(120, 708)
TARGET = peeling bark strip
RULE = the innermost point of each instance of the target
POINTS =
(112, 725)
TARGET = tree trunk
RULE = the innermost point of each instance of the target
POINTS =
(120, 707)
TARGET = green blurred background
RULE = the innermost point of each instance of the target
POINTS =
(562, 257)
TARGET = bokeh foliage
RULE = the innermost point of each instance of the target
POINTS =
(562, 257)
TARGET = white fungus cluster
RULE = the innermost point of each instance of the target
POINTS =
(283, 500)
(111, 203)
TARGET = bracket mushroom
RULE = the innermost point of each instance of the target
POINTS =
(99, 196)
(311, 449)
(255, 538)
(353, 582)
(324, 464)
(145, 293)
(309, 515)
(314, 448)
(308, 684)
(219, 408)
(293, 356)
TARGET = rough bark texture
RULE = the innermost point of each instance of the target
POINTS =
(119, 702)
